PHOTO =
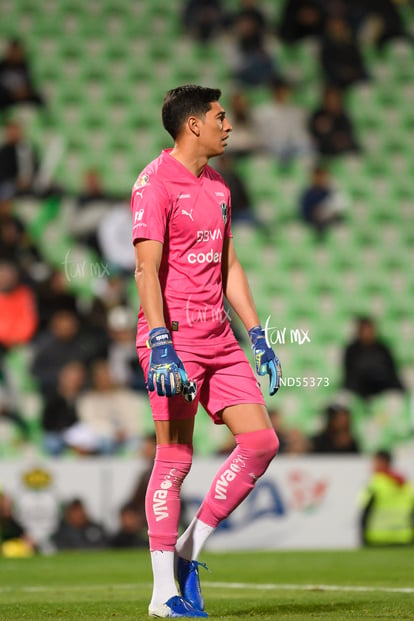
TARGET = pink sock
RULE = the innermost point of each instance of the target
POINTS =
(162, 501)
(238, 475)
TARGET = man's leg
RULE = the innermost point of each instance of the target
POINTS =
(257, 444)
(162, 506)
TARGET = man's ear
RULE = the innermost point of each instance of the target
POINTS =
(193, 124)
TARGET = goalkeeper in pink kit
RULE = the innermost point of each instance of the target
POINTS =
(185, 264)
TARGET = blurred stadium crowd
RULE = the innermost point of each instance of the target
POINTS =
(321, 171)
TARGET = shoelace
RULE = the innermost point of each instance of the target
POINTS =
(197, 564)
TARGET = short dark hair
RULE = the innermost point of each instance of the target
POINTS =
(384, 455)
(336, 408)
(364, 319)
(184, 101)
(319, 168)
(128, 506)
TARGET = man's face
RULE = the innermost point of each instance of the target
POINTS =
(380, 464)
(333, 101)
(214, 130)
(13, 133)
(64, 325)
(15, 53)
(9, 277)
(366, 332)
(76, 516)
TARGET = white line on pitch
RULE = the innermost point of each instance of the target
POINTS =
(216, 585)
(307, 587)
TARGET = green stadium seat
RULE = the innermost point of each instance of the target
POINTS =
(385, 422)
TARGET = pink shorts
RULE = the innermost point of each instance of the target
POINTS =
(224, 377)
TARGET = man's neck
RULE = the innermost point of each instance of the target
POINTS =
(193, 162)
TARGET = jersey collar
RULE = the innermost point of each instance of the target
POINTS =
(181, 169)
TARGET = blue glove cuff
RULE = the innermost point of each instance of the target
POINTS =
(256, 333)
(158, 337)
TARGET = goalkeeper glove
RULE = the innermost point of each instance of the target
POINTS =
(265, 358)
(166, 371)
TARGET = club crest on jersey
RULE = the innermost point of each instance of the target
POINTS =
(141, 181)
(224, 211)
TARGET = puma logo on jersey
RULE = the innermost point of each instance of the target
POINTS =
(188, 213)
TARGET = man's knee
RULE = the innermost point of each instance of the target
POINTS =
(262, 446)
(272, 447)
(176, 459)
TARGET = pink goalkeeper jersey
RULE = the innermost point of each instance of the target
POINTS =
(191, 216)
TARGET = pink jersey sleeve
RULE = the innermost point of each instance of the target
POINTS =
(150, 206)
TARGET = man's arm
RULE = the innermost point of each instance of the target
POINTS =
(236, 288)
(166, 372)
(237, 291)
(148, 255)
(368, 499)
(351, 379)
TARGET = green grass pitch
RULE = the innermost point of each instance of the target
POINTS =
(299, 586)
